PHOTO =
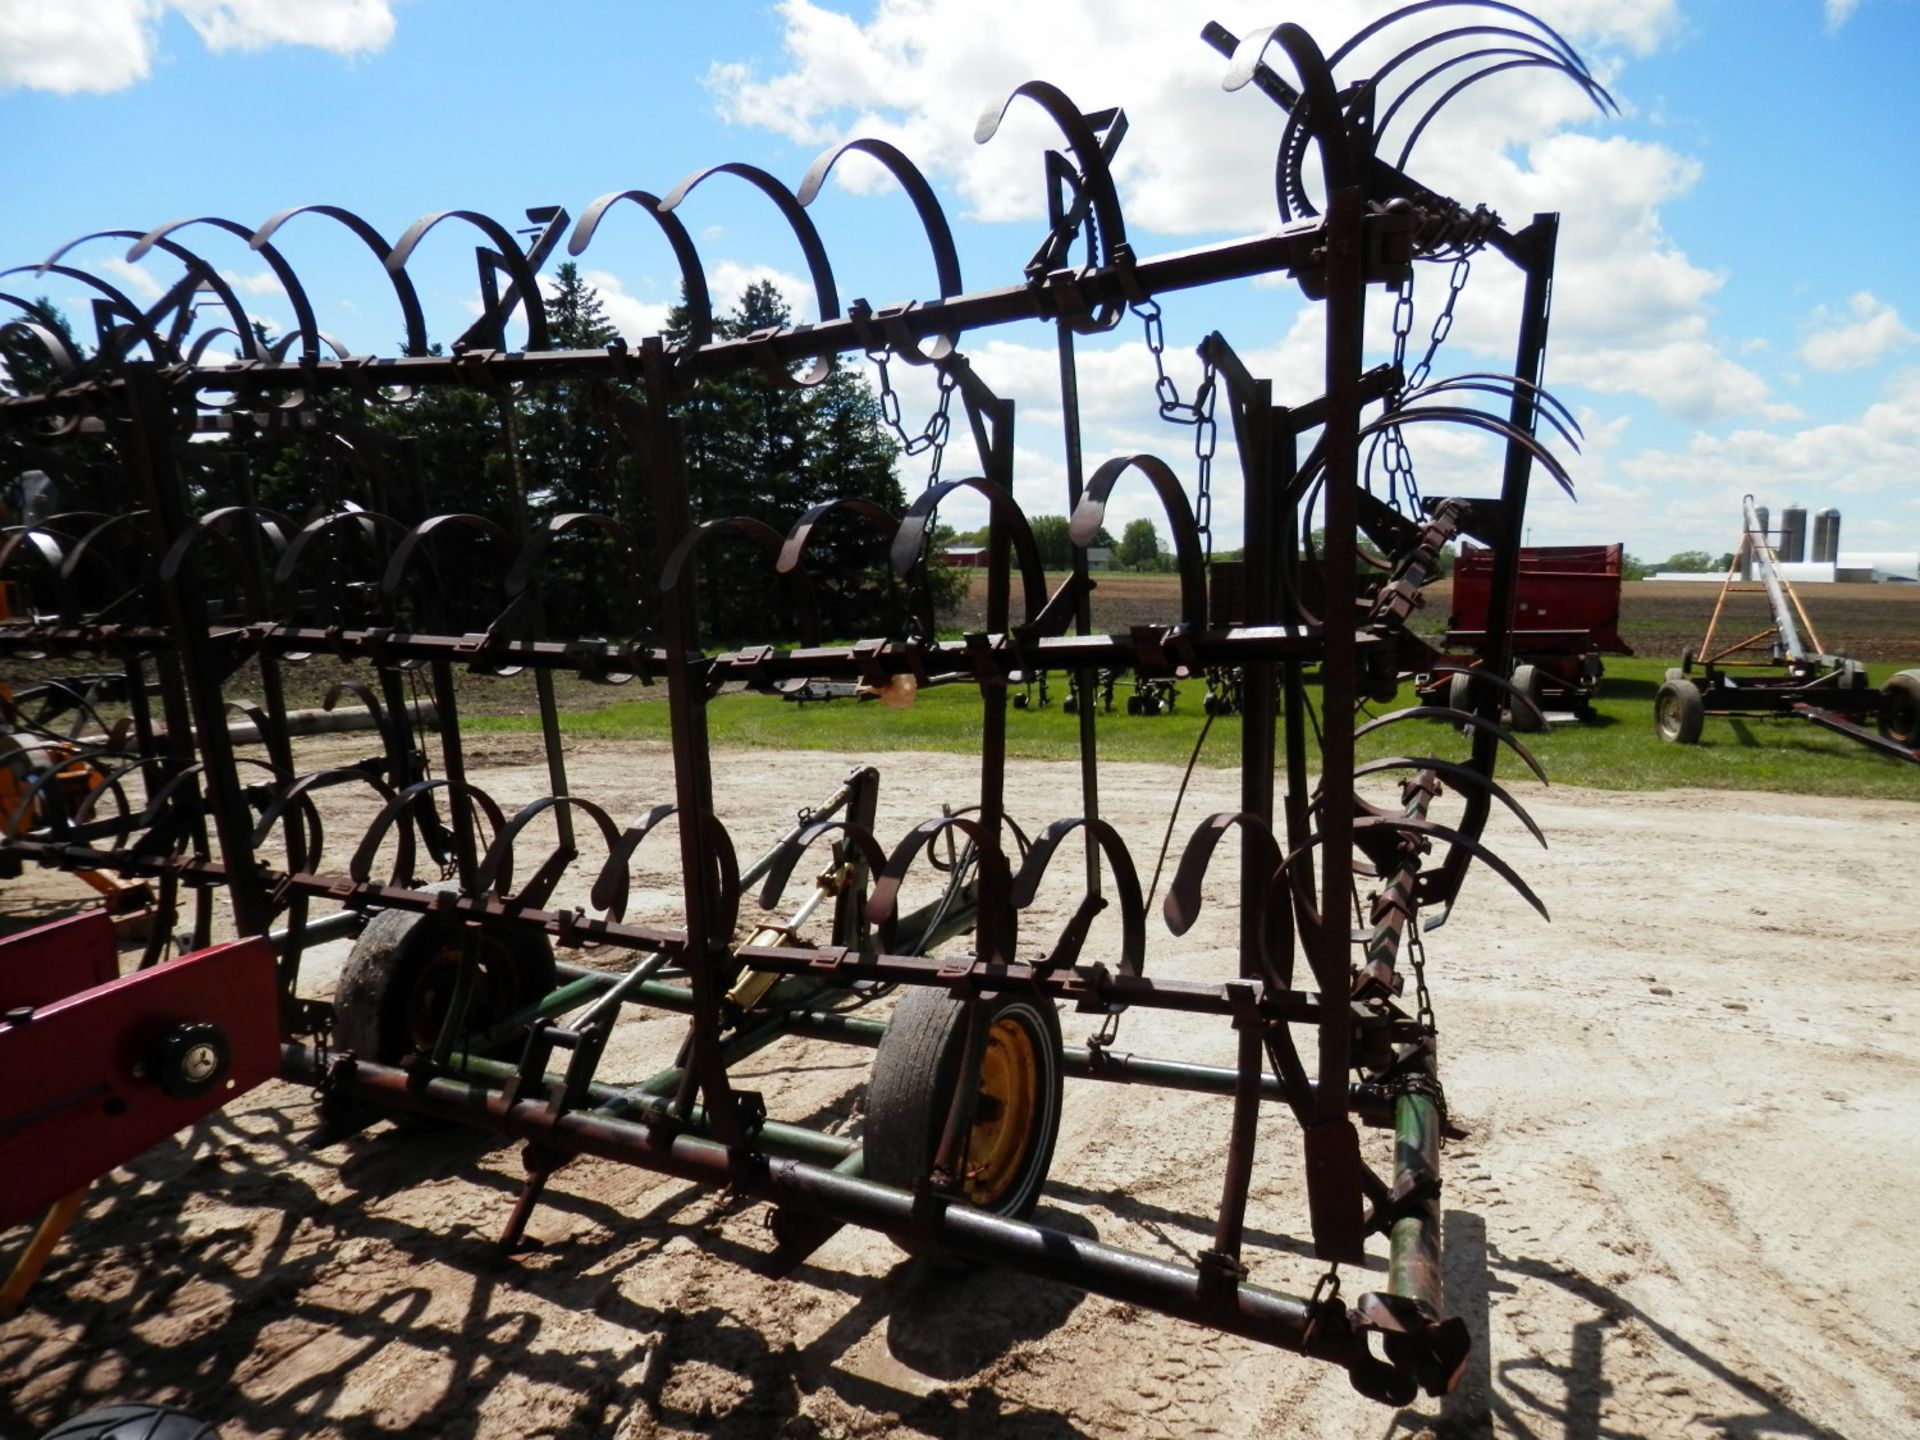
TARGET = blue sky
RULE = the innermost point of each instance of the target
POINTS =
(1733, 310)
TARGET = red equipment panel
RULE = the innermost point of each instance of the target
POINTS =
(1568, 598)
(50, 962)
(90, 1080)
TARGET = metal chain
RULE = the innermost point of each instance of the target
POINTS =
(939, 425)
(1422, 998)
(1198, 413)
(1325, 1291)
(1397, 458)
(1443, 324)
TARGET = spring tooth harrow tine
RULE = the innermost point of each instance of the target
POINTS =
(1187, 545)
(787, 855)
(1427, 828)
(826, 293)
(409, 300)
(1556, 413)
(305, 325)
(933, 221)
(1127, 894)
(523, 294)
(693, 278)
(1459, 774)
(910, 540)
(1458, 718)
(497, 864)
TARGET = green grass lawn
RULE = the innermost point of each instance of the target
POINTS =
(1616, 751)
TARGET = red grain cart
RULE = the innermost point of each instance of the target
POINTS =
(1566, 616)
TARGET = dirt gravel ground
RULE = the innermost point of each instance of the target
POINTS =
(1678, 1211)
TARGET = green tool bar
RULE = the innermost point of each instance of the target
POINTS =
(1413, 1263)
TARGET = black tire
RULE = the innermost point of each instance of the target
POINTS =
(1460, 691)
(1679, 712)
(1530, 681)
(1899, 713)
(912, 1087)
(394, 989)
(134, 1422)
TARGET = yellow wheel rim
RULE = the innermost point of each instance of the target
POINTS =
(1004, 1113)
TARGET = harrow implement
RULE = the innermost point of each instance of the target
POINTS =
(455, 1007)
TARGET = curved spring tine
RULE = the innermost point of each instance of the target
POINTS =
(909, 539)
(410, 312)
(1459, 415)
(787, 856)
(1187, 547)
(525, 293)
(826, 294)
(698, 302)
(305, 325)
(1508, 386)
(610, 890)
(1182, 906)
(1540, 62)
(1126, 881)
(1459, 774)
(1439, 832)
(1597, 93)
(879, 518)
(933, 220)
(1457, 718)
(997, 931)
(539, 886)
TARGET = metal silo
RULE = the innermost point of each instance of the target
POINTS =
(1793, 534)
(1826, 535)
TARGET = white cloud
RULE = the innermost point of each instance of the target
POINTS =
(632, 316)
(97, 46)
(134, 279)
(1839, 12)
(1869, 459)
(1632, 311)
(260, 282)
(346, 27)
(1872, 333)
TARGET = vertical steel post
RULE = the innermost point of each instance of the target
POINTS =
(150, 431)
(692, 760)
(1333, 1146)
(1083, 680)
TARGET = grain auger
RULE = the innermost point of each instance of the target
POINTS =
(454, 1004)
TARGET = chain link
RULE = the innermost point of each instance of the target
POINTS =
(1443, 323)
(1403, 489)
(1199, 413)
(939, 424)
(1422, 998)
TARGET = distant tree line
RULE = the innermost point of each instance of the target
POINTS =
(520, 457)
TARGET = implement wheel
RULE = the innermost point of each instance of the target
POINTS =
(395, 988)
(1016, 1116)
(1899, 717)
(1460, 691)
(134, 1422)
(1679, 712)
(1530, 681)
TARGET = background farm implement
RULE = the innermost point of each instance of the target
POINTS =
(1779, 671)
(453, 1005)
